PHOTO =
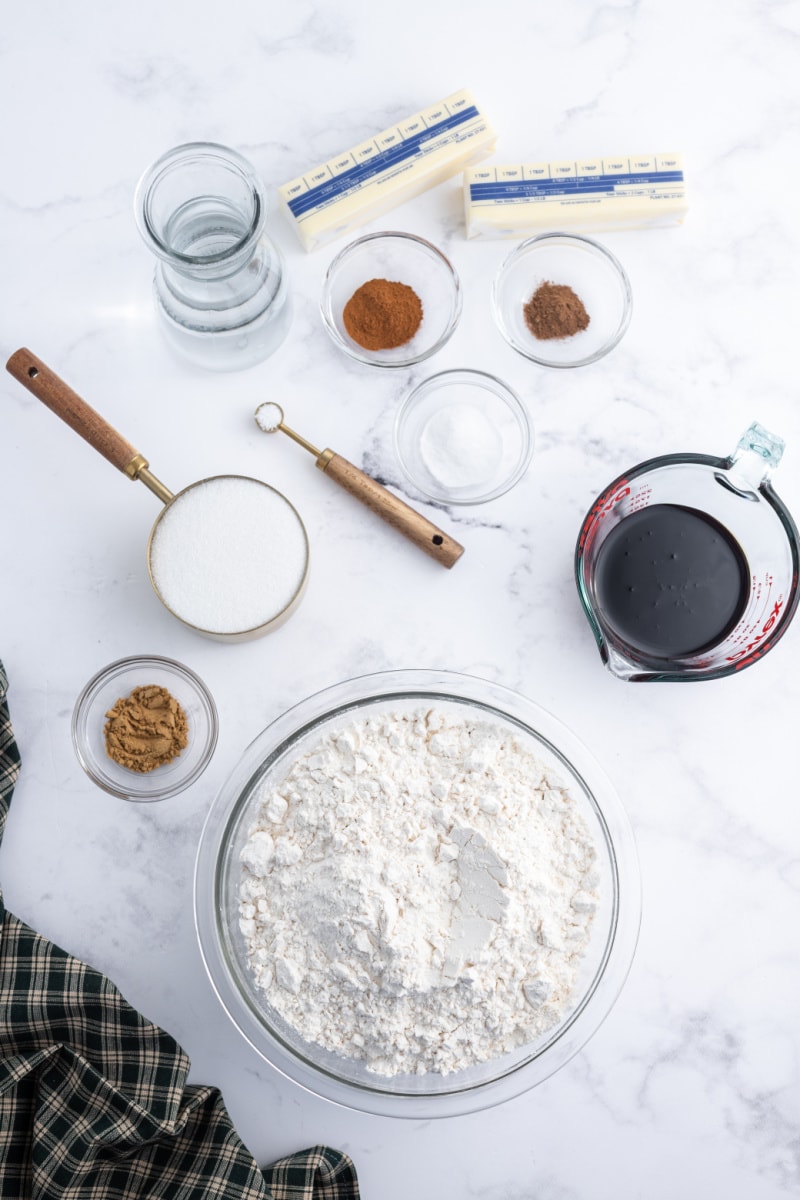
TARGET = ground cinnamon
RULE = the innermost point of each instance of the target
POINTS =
(146, 729)
(555, 311)
(382, 314)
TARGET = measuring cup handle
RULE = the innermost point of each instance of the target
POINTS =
(37, 377)
(401, 516)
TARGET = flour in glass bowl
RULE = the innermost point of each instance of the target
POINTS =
(417, 893)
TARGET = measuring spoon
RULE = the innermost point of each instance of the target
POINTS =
(401, 516)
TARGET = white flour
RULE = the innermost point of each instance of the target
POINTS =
(417, 893)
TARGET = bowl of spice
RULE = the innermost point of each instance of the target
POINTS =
(417, 894)
(562, 300)
(463, 437)
(144, 728)
(390, 299)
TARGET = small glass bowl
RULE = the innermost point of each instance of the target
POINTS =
(592, 272)
(463, 437)
(400, 258)
(117, 681)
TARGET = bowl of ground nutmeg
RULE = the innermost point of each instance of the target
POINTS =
(390, 299)
(144, 728)
(562, 300)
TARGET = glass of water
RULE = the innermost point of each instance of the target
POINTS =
(220, 284)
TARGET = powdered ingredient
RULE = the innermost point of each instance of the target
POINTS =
(382, 314)
(417, 892)
(555, 311)
(460, 446)
(229, 554)
(146, 729)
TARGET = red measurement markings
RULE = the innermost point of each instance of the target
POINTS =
(600, 509)
(754, 649)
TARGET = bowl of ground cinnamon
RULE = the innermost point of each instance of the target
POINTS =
(390, 299)
(144, 728)
(562, 300)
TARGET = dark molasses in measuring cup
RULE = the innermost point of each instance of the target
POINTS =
(687, 565)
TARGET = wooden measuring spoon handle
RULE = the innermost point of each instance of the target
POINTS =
(37, 377)
(395, 512)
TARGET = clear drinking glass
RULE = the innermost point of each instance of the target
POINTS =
(220, 284)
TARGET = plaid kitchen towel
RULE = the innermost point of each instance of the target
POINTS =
(94, 1103)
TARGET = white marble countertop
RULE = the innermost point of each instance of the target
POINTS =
(691, 1087)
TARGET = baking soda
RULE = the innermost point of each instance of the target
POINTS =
(418, 893)
(228, 554)
(461, 447)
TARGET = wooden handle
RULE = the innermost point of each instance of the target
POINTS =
(37, 377)
(395, 512)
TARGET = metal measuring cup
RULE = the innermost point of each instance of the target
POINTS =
(39, 379)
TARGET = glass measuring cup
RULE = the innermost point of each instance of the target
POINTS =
(735, 496)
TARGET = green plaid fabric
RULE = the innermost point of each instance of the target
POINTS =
(94, 1103)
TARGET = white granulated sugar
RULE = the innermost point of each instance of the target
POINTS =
(417, 893)
(228, 554)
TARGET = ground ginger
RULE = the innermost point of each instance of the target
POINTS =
(146, 729)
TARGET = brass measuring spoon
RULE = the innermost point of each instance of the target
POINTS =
(401, 516)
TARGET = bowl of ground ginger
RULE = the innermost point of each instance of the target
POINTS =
(144, 728)
(562, 300)
(390, 299)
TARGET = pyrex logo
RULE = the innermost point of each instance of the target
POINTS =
(601, 508)
(751, 651)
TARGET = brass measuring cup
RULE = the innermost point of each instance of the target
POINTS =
(39, 379)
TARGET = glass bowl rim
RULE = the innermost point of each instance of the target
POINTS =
(513, 401)
(587, 245)
(366, 356)
(231, 802)
(117, 669)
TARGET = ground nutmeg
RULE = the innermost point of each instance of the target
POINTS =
(382, 314)
(555, 311)
(146, 729)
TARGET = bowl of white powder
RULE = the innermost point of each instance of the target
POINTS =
(463, 437)
(417, 894)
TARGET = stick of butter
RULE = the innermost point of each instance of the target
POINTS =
(394, 166)
(625, 192)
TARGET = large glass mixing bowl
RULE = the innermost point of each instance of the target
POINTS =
(345, 1080)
